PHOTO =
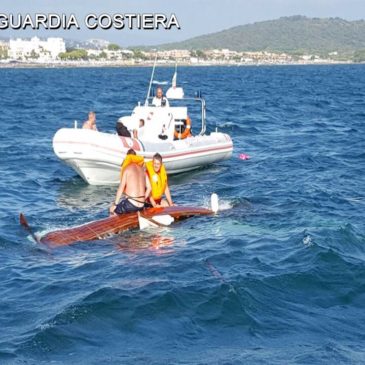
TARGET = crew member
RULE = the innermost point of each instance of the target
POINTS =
(159, 99)
(91, 122)
(158, 180)
(140, 132)
(134, 185)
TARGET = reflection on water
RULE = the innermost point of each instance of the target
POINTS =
(75, 194)
(138, 241)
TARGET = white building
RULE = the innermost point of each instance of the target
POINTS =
(94, 52)
(176, 54)
(48, 50)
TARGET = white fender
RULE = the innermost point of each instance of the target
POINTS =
(155, 221)
(214, 203)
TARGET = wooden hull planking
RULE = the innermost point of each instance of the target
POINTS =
(115, 224)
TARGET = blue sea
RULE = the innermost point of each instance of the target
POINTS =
(277, 277)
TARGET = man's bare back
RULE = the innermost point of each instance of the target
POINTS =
(135, 186)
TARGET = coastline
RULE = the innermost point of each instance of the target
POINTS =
(81, 64)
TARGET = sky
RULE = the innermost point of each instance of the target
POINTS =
(196, 17)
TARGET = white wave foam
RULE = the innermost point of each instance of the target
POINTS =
(223, 204)
(156, 82)
(307, 241)
(359, 199)
(227, 125)
(45, 231)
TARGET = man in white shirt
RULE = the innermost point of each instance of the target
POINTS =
(140, 132)
(159, 99)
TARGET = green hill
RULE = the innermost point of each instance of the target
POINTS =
(295, 34)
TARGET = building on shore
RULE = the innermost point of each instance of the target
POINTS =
(181, 55)
(53, 51)
(36, 49)
(111, 55)
(4, 50)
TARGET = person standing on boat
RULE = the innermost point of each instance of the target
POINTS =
(134, 185)
(159, 99)
(158, 183)
(138, 133)
(91, 122)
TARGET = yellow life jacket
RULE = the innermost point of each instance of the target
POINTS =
(158, 180)
(129, 159)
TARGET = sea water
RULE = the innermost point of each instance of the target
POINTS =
(277, 277)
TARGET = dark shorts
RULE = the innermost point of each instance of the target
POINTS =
(148, 204)
(125, 206)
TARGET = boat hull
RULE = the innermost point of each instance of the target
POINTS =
(97, 156)
(115, 224)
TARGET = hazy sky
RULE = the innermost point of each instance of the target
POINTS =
(196, 17)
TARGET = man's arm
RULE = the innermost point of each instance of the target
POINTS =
(148, 187)
(119, 194)
(168, 195)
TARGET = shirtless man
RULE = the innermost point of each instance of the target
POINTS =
(91, 122)
(134, 185)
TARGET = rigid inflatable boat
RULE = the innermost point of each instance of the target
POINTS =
(169, 130)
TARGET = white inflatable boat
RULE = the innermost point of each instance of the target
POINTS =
(168, 130)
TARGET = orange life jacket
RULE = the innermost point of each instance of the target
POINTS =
(129, 159)
(158, 180)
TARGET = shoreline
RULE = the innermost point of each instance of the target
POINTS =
(25, 65)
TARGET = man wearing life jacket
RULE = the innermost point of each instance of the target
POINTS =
(158, 180)
(134, 185)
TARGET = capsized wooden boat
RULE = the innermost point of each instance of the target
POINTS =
(111, 225)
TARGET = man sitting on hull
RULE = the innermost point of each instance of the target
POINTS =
(156, 173)
(134, 185)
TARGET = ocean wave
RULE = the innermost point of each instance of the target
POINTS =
(277, 277)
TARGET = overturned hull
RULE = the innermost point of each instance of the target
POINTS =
(111, 225)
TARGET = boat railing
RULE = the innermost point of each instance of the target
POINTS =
(197, 99)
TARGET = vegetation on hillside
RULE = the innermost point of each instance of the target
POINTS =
(74, 54)
(3, 53)
(293, 35)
